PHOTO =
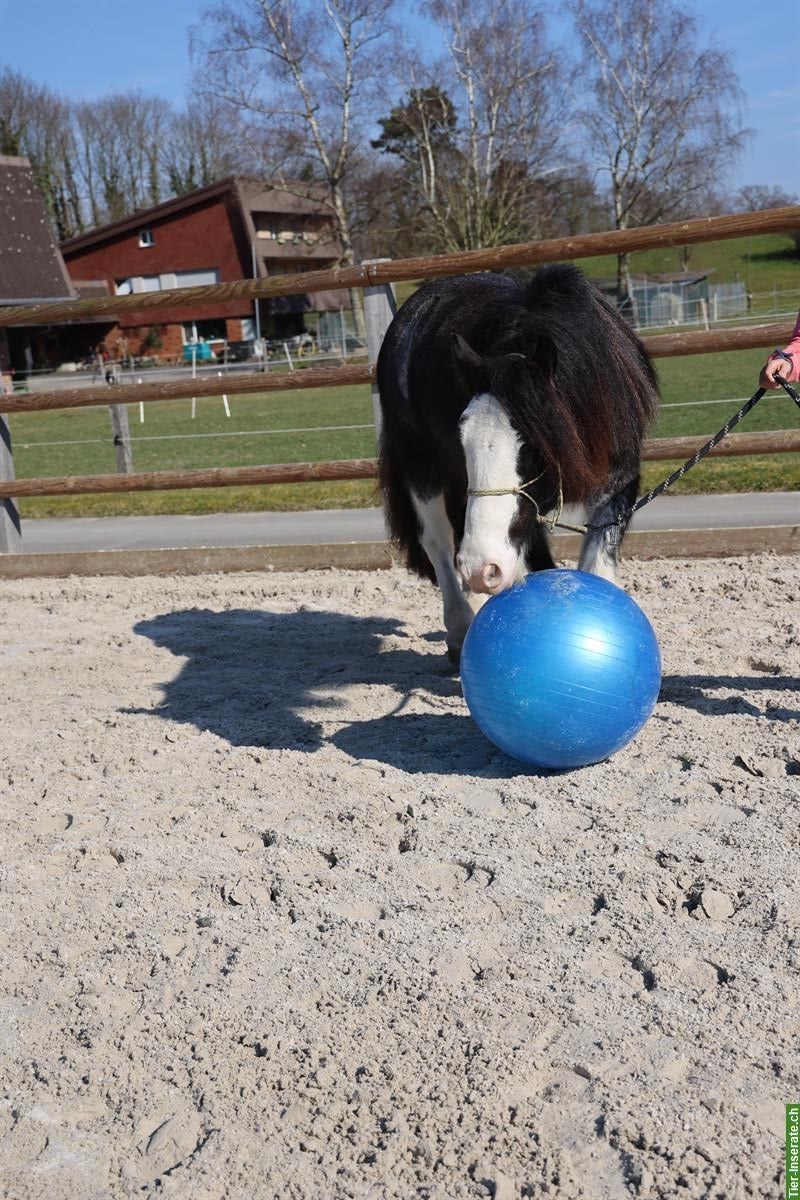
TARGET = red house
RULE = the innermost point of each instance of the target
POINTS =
(234, 229)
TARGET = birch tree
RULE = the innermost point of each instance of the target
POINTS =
(661, 113)
(302, 74)
(420, 133)
(510, 92)
(478, 129)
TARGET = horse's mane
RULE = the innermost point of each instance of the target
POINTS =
(586, 390)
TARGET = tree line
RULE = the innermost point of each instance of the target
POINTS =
(99, 161)
(497, 134)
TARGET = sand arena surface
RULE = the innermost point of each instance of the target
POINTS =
(279, 922)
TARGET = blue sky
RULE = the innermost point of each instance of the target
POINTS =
(85, 49)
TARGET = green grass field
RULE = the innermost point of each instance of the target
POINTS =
(765, 264)
(298, 426)
(762, 264)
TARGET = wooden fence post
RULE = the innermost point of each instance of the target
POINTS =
(380, 305)
(122, 438)
(10, 528)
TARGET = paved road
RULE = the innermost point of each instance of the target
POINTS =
(363, 525)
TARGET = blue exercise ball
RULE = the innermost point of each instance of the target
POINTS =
(561, 670)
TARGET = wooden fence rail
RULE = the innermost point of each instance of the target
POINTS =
(654, 450)
(675, 233)
(375, 278)
(182, 389)
(660, 346)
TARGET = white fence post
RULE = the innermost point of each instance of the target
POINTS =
(10, 529)
(380, 305)
(704, 312)
(121, 429)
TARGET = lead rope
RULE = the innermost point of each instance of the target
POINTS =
(554, 522)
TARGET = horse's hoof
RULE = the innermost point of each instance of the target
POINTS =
(454, 654)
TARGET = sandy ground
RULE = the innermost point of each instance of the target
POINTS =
(279, 922)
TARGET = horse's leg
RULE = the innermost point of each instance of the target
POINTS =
(438, 542)
(600, 549)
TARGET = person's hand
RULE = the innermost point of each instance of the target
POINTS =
(773, 368)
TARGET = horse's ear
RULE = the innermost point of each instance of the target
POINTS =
(469, 365)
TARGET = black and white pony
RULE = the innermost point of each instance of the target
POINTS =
(487, 383)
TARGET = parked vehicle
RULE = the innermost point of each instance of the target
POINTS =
(241, 351)
(198, 352)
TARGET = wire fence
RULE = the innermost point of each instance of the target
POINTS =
(668, 307)
(305, 430)
(113, 373)
(217, 433)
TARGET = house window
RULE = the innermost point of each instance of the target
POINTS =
(137, 283)
(146, 237)
(211, 330)
(266, 226)
(197, 278)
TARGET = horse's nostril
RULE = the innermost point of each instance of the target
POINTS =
(486, 578)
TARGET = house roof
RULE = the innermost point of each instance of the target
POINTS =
(686, 277)
(90, 289)
(31, 266)
(252, 196)
(299, 198)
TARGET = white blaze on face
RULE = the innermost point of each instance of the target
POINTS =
(486, 559)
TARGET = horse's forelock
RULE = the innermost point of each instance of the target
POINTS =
(548, 425)
(582, 388)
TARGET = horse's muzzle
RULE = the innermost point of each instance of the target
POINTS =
(488, 579)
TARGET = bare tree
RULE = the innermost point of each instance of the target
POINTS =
(99, 161)
(202, 144)
(428, 187)
(302, 74)
(387, 216)
(662, 113)
(508, 90)
(419, 134)
(477, 132)
(756, 197)
(144, 123)
(37, 123)
(18, 97)
(121, 139)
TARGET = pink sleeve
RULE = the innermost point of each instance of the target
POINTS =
(793, 348)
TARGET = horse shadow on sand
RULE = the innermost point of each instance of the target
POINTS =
(285, 680)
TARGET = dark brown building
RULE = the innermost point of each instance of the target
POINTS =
(230, 230)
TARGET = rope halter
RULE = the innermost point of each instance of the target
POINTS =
(520, 490)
